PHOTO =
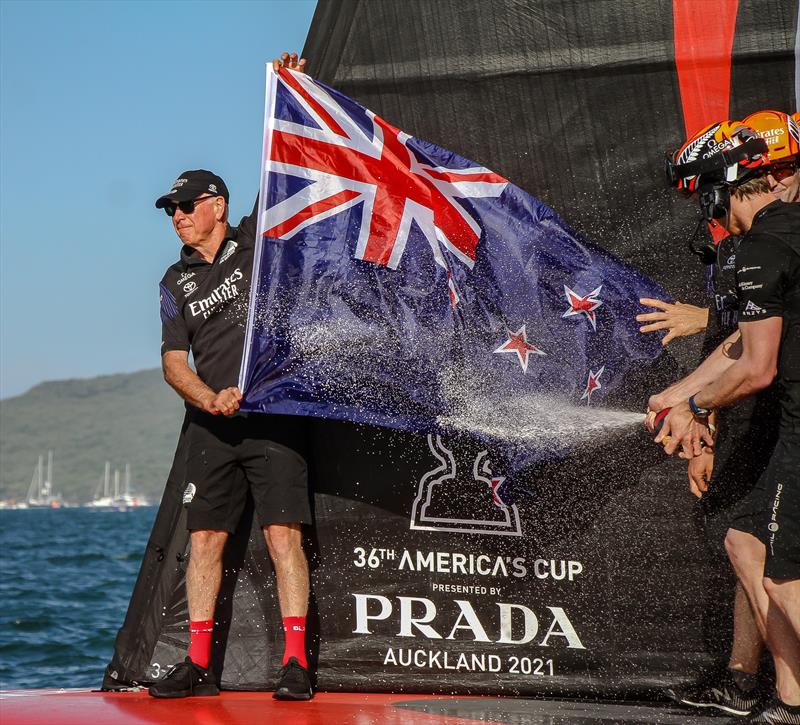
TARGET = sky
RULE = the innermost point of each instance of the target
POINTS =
(102, 105)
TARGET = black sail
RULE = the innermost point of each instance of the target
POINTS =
(576, 102)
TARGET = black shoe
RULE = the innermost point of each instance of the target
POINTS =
(293, 682)
(186, 680)
(776, 712)
(720, 693)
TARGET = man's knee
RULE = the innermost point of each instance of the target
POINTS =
(283, 539)
(208, 545)
(745, 552)
(782, 591)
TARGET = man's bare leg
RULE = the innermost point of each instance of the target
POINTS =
(203, 579)
(285, 544)
(736, 690)
(748, 644)
(785, 593)
(204, 573)
(747, 555)
(784, 617)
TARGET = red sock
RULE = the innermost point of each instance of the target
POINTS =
(200, 641)
(294, 628)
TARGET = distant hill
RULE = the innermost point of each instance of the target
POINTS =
(129, 418)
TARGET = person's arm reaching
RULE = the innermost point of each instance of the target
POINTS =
(726, 353)
(187, 384)
(678, 319)
(754, 370)
(248, 226)
(763, 263)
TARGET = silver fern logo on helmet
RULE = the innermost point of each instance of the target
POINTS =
(692, 151)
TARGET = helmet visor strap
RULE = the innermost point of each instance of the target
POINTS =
(706, 252)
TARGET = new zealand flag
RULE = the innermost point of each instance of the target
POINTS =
(399, 284)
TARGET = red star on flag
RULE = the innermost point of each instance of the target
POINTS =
(592, 384)
(585, 305)
(518, 343)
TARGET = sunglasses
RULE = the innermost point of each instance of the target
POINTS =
(187, 207)
(783, 170)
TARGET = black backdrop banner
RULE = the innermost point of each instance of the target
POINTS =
(591, 582)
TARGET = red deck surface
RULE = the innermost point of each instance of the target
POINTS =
(71, 707)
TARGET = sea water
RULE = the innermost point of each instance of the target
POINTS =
(66, 576)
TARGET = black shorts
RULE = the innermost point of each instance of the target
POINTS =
(781, 522)
(746, 438)
(226, 456)
(748, 513)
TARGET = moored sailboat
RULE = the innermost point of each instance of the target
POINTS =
(118, 500)
(40, 492)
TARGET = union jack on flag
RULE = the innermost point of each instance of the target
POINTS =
(350, 156)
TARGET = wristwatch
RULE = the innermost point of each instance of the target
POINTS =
(697, 411)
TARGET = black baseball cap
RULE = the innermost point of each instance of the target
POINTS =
(190, 185)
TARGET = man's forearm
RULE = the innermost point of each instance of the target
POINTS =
(187, 384)
(754, 369)
(735, 383)
(714, 366)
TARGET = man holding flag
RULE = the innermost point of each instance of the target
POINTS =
(203, 310)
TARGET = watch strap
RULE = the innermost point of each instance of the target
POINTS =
(697, 411)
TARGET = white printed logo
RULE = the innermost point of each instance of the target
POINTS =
(189, 287)
(771, 135)
(230, 248)
(185, 276)
(480, 508)
(223, 293)
(691, 152)
(752, 308)
(189, 493)
(212, 188)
